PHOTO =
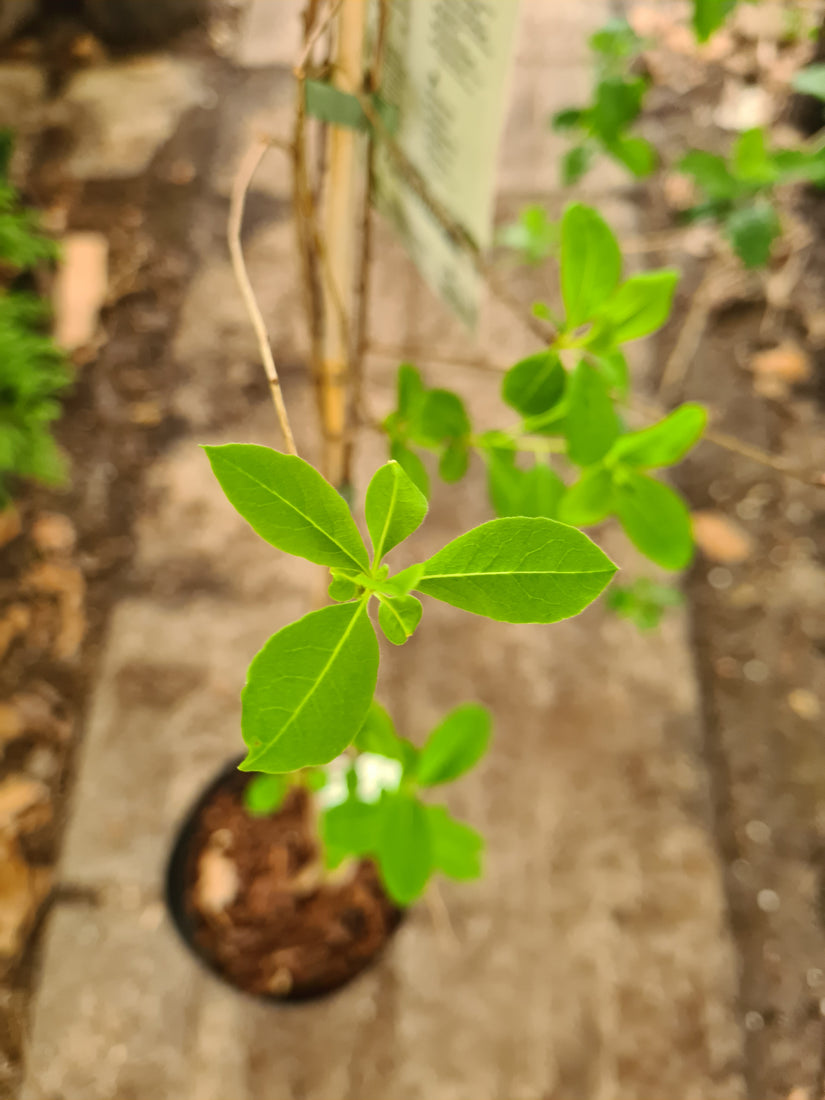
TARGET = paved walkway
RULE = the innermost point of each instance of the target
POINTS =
(593, 959)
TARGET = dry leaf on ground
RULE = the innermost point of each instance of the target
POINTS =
(720, 538)
(22, 889)
(80, 289)
(67, 584)
(775, 370)
(19, 795)
(54, 533)
(9, 524)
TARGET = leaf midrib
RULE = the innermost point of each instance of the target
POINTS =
(303, 515)
(515, 573)
(379, 550)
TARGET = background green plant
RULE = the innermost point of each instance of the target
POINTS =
(32, 369)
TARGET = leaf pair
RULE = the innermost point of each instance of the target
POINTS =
(591, 268)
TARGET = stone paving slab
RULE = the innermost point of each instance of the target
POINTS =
(592, 959)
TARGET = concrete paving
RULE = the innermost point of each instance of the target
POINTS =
(593, 958)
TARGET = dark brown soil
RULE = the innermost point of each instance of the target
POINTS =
(288, 933)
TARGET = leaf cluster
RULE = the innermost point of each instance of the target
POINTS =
(309, 689)
(605, 124)
(569, 398)
(32, 369)
(738, 189)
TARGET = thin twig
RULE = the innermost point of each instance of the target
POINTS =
(313, 36)
(237, 201)
(756, 454)
(689, 338)
(440, 916)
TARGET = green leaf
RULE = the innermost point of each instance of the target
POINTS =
(644, 602)
(810, 80)
(289, 504)
(342, 589)
(454, 461)
(665, 443)
(405, 848)
(640, 305)
(613, 366)
(636, 154)
(410, 390)
(592, 424)
(413, 467)
(535, 384)
(750, 160)
(709, 15)
(711, 173)
(575, 163)
(398, 617)
(532, 234)
(752, 231)
(441, 416)
(616, 39)
(351, 828)
(541, 491)
(455, 746)
(308, 690)
(378, 735)
(655, 519)
(456, 848)
(518, 570)
(394, 508)
(589, 500)
(330, 104)
(569, 119)
(264, 794)
(591, 263)
(618, 102)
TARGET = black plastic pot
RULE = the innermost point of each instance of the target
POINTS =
(177, 880)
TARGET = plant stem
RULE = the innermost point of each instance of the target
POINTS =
(237, 201)
(339, 243)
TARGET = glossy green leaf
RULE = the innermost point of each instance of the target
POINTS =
(264, 794)
(591, 263)
(413, 467)
(640, 305)
(394, 508)
(569, 119)
(589, 500)
(752, 231)
(592, 424)
(342, 589)
(308, 690)
(289, 504)
(455, 746)
(535, 384)
(519, 570)
(398, 617)
(405, 848)
(613, 366)
(655, 519)
(456, 848)
(665, 443)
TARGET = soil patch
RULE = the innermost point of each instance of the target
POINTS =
(250, 896)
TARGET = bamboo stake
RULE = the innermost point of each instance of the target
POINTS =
(339, 233)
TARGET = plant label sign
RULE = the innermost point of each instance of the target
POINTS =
(445, 76)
